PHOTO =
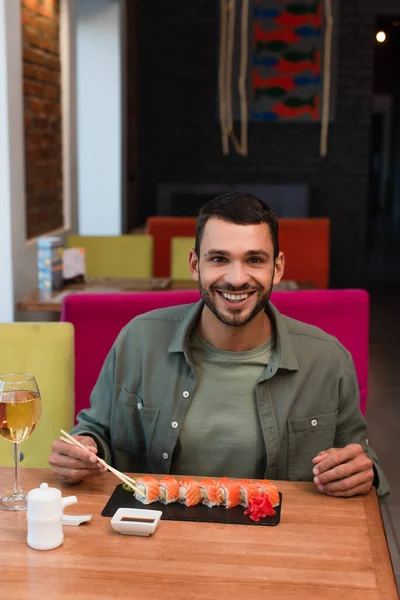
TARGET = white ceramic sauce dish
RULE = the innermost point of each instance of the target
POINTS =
(136, 521)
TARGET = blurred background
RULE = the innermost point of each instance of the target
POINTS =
(110, 115)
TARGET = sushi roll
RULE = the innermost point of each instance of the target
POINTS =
(169, 489)
(147, 489)
(210, 492)
(271, 490)
(248, 491)
(242, 483)
(229, 492)
(189, 491)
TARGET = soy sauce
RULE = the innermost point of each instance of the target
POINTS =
(138, 520)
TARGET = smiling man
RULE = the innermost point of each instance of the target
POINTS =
(228, 386)
(237, 264)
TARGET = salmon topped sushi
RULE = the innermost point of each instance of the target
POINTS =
(147, 489)
(230, 492)
(271, 490)
(248, 491)
(210, 492)
(169, 489)
(189, 491)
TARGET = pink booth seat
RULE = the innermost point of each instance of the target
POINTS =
(98, 319)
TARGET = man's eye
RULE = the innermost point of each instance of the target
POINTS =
(218, 259)
(256, 260)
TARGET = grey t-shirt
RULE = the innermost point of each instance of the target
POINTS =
(221, 435)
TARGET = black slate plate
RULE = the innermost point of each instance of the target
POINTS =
(178, 512)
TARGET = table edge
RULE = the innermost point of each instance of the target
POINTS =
(383, 567)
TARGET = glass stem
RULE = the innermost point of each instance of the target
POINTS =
(17, 474)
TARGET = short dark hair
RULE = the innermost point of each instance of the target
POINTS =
(241, 209)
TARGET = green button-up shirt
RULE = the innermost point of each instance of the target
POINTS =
(307, 398)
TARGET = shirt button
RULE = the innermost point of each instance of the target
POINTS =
(165, 456)
(185, 394)
(139, 405)
(314, 422)
(174, 424)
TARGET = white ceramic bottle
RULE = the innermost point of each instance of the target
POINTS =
(44, 516)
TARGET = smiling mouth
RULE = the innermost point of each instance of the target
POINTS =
(236, 298)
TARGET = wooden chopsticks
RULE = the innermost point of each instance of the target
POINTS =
(127, 480)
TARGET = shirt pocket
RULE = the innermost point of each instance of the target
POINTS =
(134, 425)
(307, 437)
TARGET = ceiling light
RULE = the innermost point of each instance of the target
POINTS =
(381, 36)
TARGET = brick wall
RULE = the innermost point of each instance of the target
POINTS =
(179, 136)
(42, 108)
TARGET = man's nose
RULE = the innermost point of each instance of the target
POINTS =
(237, 274)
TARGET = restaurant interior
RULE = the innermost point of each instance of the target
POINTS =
(119, 119)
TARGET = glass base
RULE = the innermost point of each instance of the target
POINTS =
(14, 502)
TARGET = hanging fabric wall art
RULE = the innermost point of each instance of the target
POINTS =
(286, 63)
(280, 53)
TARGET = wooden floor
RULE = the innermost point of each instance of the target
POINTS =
(383, 410)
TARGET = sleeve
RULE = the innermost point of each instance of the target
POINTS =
(95, 421)
(352, 427)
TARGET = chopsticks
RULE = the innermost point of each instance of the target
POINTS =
(127, 480)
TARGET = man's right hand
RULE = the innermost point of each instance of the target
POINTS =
(71, 463)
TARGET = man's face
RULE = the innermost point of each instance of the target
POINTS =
(236, 270)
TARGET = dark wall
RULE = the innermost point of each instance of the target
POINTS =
(179, 135)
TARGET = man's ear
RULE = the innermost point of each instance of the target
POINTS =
(279, 268)
(194, 265)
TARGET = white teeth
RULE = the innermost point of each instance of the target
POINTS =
(235, 297)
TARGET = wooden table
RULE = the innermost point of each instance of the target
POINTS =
(37, 300)
(52, 302)
(323, 549)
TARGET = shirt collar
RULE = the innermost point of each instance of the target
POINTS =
(181, 339)
(283, 357)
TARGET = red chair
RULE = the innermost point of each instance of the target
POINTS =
(305, 243)
(163, 229)
(98, 319)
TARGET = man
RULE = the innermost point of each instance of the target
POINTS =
(228, 386)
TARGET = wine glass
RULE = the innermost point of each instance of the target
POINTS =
(20, 410)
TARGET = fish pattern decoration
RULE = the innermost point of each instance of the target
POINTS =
(286, 60)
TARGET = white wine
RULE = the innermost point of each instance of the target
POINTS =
(19, 414)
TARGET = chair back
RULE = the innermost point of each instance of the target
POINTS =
(163, 229)
(180, 248)
(98, 319)
(305, 243)
(47, 351)
(123, 256)
(341, 313)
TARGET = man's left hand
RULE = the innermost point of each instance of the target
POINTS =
(343, 471)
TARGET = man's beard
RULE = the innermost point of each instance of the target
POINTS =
(235, 320)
